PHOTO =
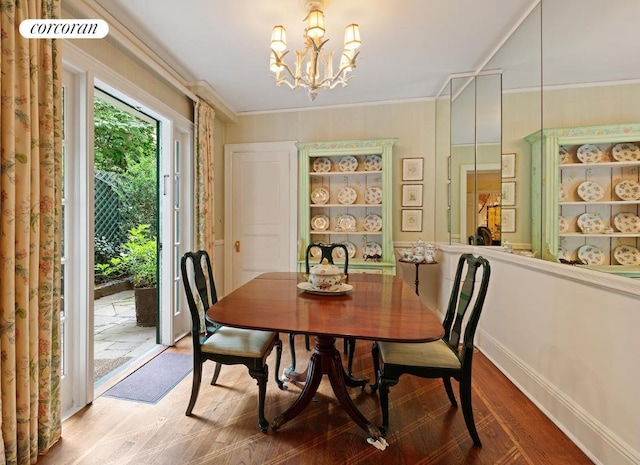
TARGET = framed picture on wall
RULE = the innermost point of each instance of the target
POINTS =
(508, 165)
(508, 193)
(412, 169)
(412, 220)
(508, 220)
(412, 195)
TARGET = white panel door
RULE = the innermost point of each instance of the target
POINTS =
(260, 212)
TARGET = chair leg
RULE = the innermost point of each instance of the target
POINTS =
(447, 387)
(216, 373)
(351, 348)
(279, 381)
(261, 376)
(195, 386)
(467, 411)
(375, 355)
(385, 384)
(306, 342)
(292, 349)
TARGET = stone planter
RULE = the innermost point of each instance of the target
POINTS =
(146, 305)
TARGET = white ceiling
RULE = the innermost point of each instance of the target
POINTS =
(409, 48)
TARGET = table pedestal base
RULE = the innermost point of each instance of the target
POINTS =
(326, 360)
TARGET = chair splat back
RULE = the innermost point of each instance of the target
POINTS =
(460, 300)
(205, 288)
(327, 252)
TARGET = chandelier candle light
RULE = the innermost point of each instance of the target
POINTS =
(313, 60)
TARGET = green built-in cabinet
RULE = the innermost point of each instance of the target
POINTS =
(346, 197)
(586, 196)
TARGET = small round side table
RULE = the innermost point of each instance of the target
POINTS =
(417, 264)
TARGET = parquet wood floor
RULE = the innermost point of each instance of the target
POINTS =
(424, 428)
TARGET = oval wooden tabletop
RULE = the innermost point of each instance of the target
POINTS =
(379, 307)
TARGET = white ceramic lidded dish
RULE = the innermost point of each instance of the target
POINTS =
(325, 277)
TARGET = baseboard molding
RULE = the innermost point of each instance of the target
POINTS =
(604, 447)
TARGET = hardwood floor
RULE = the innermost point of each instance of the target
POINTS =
(424, 428)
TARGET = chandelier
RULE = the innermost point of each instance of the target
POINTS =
(313, 65)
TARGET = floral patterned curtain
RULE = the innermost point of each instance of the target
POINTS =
(205, 206)
(30, 234)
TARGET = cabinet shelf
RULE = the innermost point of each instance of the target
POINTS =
(615, 234)
(360, 180)
(601, 202)
(606, 164)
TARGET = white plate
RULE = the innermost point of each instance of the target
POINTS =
(589, 153)
(563, 254)
(320, 195)
(628, 190)
(372, 248)
(347, 195)
(563, 194)
(315, 252)
(372, 222)
(591, 255)
(590, 191)
(351, 250)
(373, 163)
(348, 164)
(565, 156)
(320, 222)
(321, 165)
(309, 289)
(589, 223)
(564, 224)
(626, 152)
(627, 255)
(627, 223)
(346, 223)
(373, 195)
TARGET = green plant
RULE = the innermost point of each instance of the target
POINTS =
(138, 259)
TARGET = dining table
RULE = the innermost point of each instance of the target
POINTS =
(376, 307)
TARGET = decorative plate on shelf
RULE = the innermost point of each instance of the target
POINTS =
(563, 194)
(346, 223)
(627, 255)
(373, 195)
(591, 255)
(373, 163)
(315, 252)
(321, 165)
(589, 223)
(626, 152)
(563, 254)
(589, 153)
(320, 195)
(348, 164)
(347, 195)
(628, 190)
(372, 248)
(565, 156)
(372, 222)
(627, 223)
(590, 191)
(564, 224)
(351, 250)
(320, 222)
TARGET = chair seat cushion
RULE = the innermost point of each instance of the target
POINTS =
(422, 354)
(239, 342)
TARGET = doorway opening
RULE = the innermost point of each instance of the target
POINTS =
(126, 149)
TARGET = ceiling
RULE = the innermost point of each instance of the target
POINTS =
(409, 47)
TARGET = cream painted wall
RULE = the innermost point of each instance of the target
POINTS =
(131, 69)
(413, 123)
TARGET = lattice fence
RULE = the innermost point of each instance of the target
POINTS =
(107, 208)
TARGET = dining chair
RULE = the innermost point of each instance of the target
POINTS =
(223, 345)
(326, 251)
(445, 358)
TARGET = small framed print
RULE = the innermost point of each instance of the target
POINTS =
(412, 195)
(508, 220)
(412, 220)
(508, 193)
(412, 169)
(508, 165)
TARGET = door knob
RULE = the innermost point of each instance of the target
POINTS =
(237, 246)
